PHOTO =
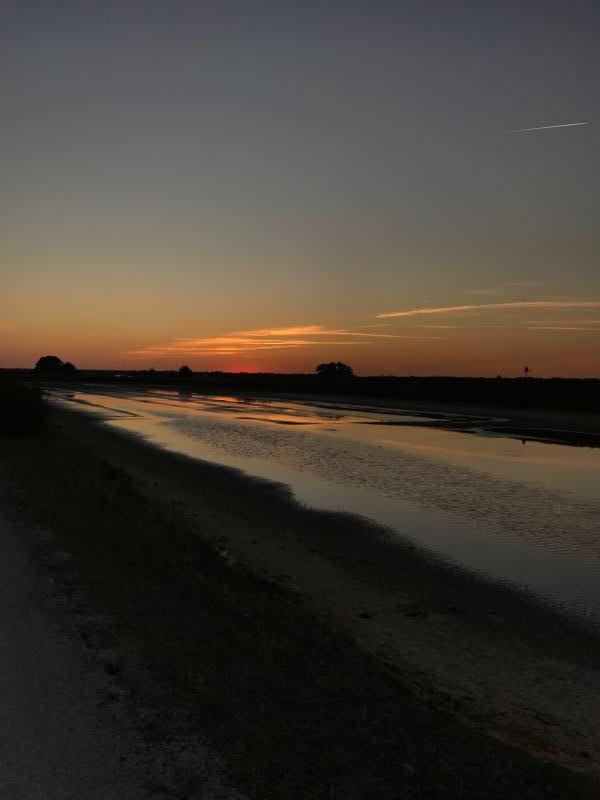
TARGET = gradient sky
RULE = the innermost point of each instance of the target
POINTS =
(267, 185)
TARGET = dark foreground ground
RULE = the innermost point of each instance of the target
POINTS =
(200, 650)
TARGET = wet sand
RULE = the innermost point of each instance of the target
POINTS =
(490, 654)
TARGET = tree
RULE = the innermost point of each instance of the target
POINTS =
(49, 364)
(334, 369)
(55, 364)
(185, 371)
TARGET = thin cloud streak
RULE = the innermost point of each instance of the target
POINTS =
(527, 284)
(225, 346)
(263, 339)
(561, 328)
(506, 287)
(540, 304)
(299, 330)
(311, 330)
(549, 127)
(561, 322)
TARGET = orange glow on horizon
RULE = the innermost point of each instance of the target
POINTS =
(499, 342)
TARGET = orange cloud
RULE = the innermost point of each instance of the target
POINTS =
(312, 330)
(265, 339)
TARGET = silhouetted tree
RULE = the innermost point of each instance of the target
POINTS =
(55, 364)
(185, 371)
(49, 364)
(334, 369)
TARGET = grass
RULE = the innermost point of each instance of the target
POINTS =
(297, 709)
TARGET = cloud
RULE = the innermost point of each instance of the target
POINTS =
(419, 337)
(561, 322)
(549, 127)
(263, 339)
(538, 304)
(527, 284)
(507, 286)
(561, 328)
(228, 345)
(312, 330)
(299, 330)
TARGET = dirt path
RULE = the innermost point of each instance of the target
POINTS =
(67, 731)
(55, 741)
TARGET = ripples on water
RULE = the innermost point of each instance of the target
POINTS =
(527, 513)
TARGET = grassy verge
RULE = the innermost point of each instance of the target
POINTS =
(297, 710)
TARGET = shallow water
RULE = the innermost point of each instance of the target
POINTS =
(526, 512)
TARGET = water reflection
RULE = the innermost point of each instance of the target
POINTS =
(524, 514)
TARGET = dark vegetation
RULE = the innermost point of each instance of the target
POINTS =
(22, 408)
(334, 370)
(574, 394)
(53, 365)
(297, 709)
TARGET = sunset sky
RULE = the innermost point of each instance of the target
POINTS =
(410, 187)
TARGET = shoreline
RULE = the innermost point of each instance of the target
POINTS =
(458, 636)
(424, 672)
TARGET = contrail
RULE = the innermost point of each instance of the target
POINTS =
(540, 304)
(549, 127)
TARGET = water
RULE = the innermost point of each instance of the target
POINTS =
(526, 512)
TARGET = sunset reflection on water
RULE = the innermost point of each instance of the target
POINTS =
(526, 513)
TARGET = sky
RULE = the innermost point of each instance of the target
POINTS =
(263, 186)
